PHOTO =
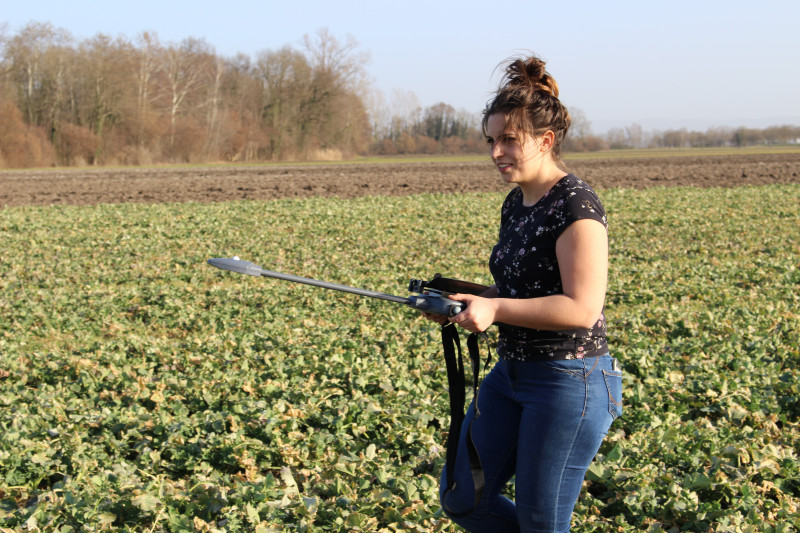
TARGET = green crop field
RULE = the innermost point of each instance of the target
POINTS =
(142, 390)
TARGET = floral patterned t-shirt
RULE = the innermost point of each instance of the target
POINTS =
(524, 265)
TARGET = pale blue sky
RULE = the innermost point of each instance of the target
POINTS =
(681, 63)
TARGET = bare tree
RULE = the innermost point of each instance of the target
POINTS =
(634, 136)
(379, 113)
(441, 121)
(406, 113)
(148, 61)
(186, 71)
(5, 63)
(581, 126)
(244, 100)
(34, 57)
(616, 138)
(214, 106)
(286, 77)
(342, 65)
(107, 89)
(675, 138)
(333, 113)
(748, 137)
(580, 137)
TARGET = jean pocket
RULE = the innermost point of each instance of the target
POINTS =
(573, 367)
(613, 381)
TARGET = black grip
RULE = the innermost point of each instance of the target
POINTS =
(436, 304)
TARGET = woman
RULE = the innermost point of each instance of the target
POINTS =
(547, 404)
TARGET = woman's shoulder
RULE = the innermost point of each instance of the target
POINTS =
(580, 200)
(573, 189)
(573, 184)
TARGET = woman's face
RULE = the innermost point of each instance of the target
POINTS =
(518, 157)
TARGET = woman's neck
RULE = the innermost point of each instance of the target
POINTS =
(534, 191)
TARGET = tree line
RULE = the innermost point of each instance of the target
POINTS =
(582, 139)
(106, 101)
(110, 100)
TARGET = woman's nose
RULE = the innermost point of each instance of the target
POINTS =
(496, 150)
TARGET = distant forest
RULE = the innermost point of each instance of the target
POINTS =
(120, 101)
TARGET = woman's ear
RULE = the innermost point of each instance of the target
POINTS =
(548, 140)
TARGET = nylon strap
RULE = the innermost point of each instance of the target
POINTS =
(456, 381)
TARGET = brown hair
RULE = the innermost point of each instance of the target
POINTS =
(528, 97)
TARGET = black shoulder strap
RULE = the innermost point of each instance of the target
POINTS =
(457, 383)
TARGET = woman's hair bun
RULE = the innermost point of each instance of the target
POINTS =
(530, 73)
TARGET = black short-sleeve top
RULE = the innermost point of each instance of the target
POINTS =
(524, 265)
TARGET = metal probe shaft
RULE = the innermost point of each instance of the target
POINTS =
(245, 267)
(334, 286)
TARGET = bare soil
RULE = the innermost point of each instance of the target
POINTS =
(89, 186)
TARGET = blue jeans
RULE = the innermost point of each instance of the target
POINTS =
(542, 422)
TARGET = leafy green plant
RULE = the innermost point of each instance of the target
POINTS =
(142, 390)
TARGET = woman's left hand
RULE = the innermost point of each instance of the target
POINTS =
(478, 315)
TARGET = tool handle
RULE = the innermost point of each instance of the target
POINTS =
(435, 304)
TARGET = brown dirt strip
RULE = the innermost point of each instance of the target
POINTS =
(89, 186)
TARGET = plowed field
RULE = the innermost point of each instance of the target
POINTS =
(89, 186)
